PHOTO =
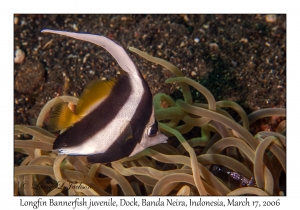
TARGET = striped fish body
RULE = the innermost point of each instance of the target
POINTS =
(113, 119)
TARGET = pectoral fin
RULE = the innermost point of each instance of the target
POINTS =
(126, 130)
(121, 148)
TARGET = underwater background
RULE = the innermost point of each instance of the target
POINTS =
(236, 57)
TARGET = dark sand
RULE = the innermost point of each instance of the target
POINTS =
(237, 57)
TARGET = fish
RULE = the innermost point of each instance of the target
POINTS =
(112, 119)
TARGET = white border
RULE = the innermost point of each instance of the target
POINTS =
(154, 6)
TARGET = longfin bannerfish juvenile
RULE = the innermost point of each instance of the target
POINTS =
(113, 119)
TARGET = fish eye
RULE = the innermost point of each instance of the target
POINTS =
(153, 130)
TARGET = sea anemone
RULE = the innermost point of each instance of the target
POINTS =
(226, 159)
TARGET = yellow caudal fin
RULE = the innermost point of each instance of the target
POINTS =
(61, 116)
(92, 94)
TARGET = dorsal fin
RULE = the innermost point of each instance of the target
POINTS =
(114, 49)
(92, 94)
(61, 116)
